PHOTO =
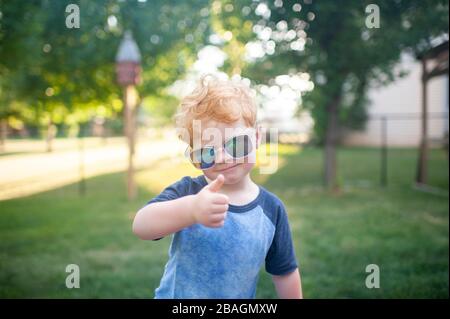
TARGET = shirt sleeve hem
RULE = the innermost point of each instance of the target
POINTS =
(283, 271)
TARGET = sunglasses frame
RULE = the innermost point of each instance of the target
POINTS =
(189, 151)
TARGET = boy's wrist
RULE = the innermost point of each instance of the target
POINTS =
(192, 208)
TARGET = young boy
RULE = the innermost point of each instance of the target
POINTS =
(225, 226)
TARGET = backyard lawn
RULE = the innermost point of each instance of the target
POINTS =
(402, 230)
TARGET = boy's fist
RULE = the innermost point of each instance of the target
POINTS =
(210, 207)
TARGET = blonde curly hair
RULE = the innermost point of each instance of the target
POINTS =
(224, 101)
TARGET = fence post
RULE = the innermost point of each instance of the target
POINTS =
(81, 152)
(384, 161)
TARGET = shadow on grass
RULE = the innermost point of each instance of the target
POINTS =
(43, 233)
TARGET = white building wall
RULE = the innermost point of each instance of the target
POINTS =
(404, 96)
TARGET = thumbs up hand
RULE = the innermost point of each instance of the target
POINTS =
(210, 207)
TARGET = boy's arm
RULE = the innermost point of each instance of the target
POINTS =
(288, 286)
(160, 219)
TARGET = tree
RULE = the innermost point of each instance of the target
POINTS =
(332, 42)
(67, 74)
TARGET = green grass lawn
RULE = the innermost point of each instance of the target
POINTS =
(404, 231)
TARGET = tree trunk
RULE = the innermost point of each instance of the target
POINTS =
(331, 137)
(422, 174)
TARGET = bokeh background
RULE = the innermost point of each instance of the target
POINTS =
(357, 90)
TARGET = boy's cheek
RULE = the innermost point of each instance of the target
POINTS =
(247, 167)
(212, 176)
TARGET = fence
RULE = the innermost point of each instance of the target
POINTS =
(399, 130)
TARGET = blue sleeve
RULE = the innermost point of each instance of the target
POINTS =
(174, 191)
(280, 259)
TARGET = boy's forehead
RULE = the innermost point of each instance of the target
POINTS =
(215, 131)
(211, 123)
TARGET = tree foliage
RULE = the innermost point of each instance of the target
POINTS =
(49, 72)
(330, 41)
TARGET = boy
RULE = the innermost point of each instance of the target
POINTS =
(225, 226)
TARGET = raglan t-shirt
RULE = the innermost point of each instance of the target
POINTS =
(224, 262)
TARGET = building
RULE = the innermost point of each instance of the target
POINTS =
(401, 104)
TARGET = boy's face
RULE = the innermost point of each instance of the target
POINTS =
(216, 134)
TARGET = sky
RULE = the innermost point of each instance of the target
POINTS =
(278, 103)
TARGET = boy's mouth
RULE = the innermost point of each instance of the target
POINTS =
(226, 168)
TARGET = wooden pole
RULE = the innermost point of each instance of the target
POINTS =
(82, 183)
(130, 104)
(50, 136)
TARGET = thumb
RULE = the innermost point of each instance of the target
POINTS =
(216, 184)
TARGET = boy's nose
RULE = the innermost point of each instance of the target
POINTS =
(222, 156)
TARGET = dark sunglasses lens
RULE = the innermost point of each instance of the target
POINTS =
(207, 157)
(239, 146)
(203, 158)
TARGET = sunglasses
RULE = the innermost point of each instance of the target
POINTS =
(237, 147)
